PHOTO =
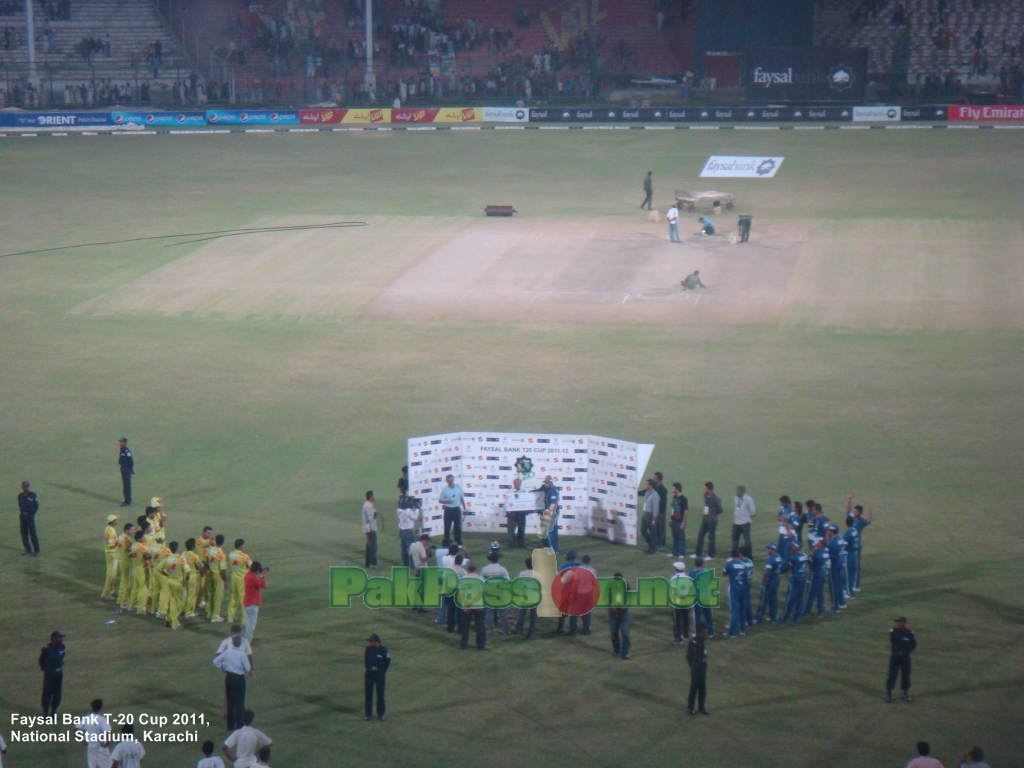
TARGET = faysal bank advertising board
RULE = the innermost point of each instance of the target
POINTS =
(806, 74)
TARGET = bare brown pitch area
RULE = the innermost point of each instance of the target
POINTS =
(857, 273)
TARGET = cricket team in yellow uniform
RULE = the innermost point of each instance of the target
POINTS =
(157, 578)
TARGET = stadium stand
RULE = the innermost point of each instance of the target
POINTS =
(948, 45)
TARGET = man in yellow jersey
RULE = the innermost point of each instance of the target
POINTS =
(195, 578)
(173, 568)
(203, 544)
(158, 590)
(139, 555)
(157, 518)
(238, 564)
(124, 564)
(110, 548)
(217, 563)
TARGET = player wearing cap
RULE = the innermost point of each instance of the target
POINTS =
(216, 562)
(680, 616)
(174, 568)
(95, 728)
(28, 506)
(551, 511)
(377, 659)
(453, 503)
(51, 662)
(238, 564)
(902, 643)
(820, 567)
(126, 462)
(796, 564)
(110, 549)
(769, 602)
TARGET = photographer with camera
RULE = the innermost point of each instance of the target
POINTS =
(255, 580)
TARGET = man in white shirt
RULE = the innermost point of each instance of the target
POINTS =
(418, 556)
(742, 517)
(127, 753)
(408, 517)
(493, 570)
(209, 760)
(235, 665)
(236, 631)
(246, 741)
(673, 224)
(370, 529)
(95, 728)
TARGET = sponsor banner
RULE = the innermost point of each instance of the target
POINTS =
(768, 114)
(806, 74)
(251, 117)
(971, 113)
(54, 119)
(822, 114)
(158, 118)
(924, 113)
(641, 115)
(458, 115)
(406, 116)
(876, 114)
(596, 477)
(722, 166)
(505, 115)
(545, 115)
(367, 116)
(321, 116)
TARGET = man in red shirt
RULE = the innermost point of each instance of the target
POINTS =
(255, 580)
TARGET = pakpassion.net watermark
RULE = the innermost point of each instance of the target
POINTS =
(575, 591)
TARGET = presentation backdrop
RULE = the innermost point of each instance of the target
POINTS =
(597, 479)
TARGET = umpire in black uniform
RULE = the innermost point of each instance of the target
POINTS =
(28, 505)
(902, 643)
(697, 658)
(127, 464)
(377, 659)
(51, 662)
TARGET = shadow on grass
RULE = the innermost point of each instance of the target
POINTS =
(84, 492)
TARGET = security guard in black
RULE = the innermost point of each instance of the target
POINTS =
(902, 643)
(127, 464)
(377, 659)
(697, 658)
(51, 662)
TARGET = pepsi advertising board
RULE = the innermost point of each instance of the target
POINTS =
(806, 74)
(252, 117)
(159, 119)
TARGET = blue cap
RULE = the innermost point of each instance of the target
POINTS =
(832, 528)
(571, 554)
(548, 479)
(769, 545)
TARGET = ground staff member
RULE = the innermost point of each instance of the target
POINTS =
(235, 665)
(51, 662)
(28, 505)
(255, 581)
(648, 192)
(377, 659)
(902, 642)
(453, 502)
(673, 224)
(111, 546)
(126, 462)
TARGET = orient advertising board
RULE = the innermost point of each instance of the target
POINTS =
(806, 74)
(54, 119)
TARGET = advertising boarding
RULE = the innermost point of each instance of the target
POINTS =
(806, 74)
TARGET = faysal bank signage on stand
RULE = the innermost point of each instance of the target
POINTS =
(806, 74)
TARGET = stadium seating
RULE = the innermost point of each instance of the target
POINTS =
(936, 45)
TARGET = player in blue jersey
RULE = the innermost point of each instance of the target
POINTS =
(769, 602)
(737, 573)
(861, 520)
(836, 548)
(819, 573)
(796, 565)
(702, 616)
(784, 516)
(748, 563)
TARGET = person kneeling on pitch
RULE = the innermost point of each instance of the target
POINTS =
(707, 227)
(692, 281)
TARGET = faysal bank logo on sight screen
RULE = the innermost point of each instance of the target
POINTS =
(575, 591)
(840, 78)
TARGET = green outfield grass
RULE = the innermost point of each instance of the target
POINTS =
(271, 428)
